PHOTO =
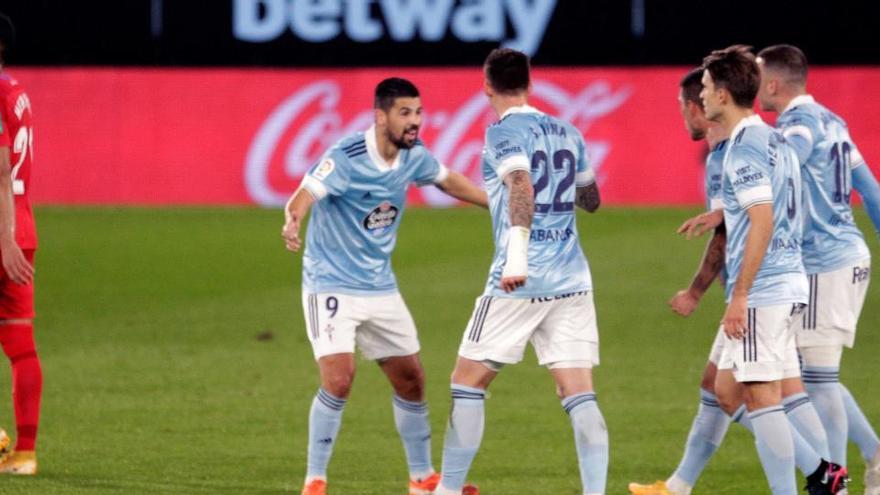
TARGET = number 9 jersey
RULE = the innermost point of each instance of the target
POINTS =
(17, 134)
(553, 152)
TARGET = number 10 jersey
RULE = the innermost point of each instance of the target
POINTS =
(553, 152)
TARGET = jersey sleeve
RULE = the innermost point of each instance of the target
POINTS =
(749, 175)
(5, 140)
(428, 169)
(714, 195)
(856, 158)
(330, 176)
(506, 150)
(585, 174)
(801, 129)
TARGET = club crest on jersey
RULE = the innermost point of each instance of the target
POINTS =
(324, 169)
(382, 217)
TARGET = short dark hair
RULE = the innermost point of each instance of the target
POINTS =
(788, 59)
(391, 89)
(691, 86)
(734, 69)
(507, 70)
(7, 35)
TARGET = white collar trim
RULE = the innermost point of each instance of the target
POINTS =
(373, 151)
(746, 122)
(799, 100)
(519, 109)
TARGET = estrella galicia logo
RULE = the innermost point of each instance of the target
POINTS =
(382, 217)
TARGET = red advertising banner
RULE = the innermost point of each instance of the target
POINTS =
(220, 136)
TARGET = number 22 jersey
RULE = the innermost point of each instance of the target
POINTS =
(553, 152)
(17, 134)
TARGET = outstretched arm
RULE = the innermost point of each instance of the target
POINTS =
(685, 301)
(522, 208)
(587, 197)
(296, 209)
(866, 184)
(14, 262)
(459, 187)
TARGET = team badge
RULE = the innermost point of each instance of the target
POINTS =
(324, 169)
(382, 217)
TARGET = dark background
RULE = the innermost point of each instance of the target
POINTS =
(580, 32)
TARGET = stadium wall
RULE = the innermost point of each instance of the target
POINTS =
(246, 136)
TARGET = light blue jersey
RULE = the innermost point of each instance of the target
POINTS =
(827, 155)
(553, 152)
(761, 168)
(714, 172)
(360, 202)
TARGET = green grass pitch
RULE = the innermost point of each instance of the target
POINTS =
(156, 380)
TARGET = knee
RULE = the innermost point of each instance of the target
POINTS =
(411, 383)
(728, 400)
(339, 384)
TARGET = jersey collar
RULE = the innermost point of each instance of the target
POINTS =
(519, 109)
(373, 152)
(799, 100)
(747, 122)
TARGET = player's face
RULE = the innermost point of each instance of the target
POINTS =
(711, 97)
(767, 88)
(694, 119)
(403, 121)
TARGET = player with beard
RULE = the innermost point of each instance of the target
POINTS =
(356, 193)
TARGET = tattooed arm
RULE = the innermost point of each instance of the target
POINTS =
(587, 197)
(522, 207)
(685, 301)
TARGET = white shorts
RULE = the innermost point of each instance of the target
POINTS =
(767, 353)
(791, 368)
(561, 329)
(380, 325)
(836, 300)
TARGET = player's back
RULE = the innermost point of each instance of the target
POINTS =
(761, 167)
(556, 160)
(831, 238)
(16, 133)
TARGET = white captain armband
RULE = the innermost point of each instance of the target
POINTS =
(754, 195)
(314, 187)
(442, 175)
(511, 163)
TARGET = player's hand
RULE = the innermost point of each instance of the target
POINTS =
(15, 264)
(510, 284)
(684, 302)
(734, 321)
(700, 224)
(290, 233)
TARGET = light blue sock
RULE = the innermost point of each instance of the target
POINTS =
(325, 418)
(414, 428)
(708, 430)
(859, 430)
(464, 433)
(807, 459)
(590, 440)
(775, 448)
(803, 416)
(822, 383)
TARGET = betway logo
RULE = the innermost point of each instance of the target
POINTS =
(318, 21)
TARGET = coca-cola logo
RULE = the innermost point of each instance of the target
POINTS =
(305, 124)
(382, 217)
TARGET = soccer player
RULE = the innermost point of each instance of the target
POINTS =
(536, 170)
(714, 415)
(350, 297)
(836, 257)
(766, 285)
(18, 241)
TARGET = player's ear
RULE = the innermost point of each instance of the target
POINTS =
(487, 88)
(381, 117)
